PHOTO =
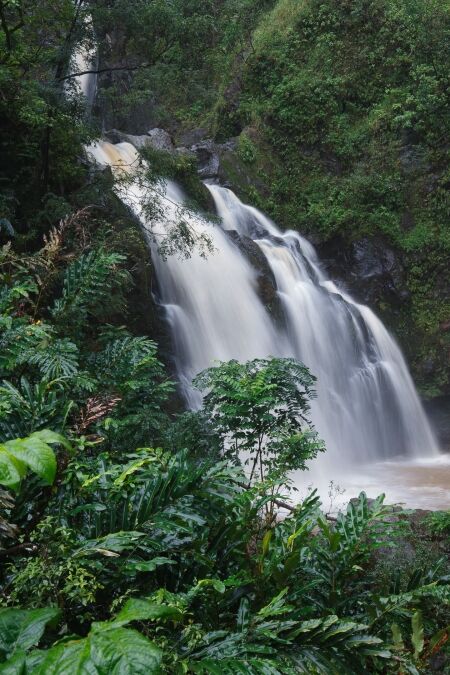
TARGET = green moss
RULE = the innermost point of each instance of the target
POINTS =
(183, 169)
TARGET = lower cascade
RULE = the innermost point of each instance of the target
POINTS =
(367, 408)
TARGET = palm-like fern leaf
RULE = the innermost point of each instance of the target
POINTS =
(26, 408)
(88, 287)
(58, 359)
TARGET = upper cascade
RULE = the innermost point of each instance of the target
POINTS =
(85, 61)
(367, 408)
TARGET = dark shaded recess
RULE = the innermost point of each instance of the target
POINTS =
(369, 268)
(438, 411)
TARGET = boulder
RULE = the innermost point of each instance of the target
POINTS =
(193, 136)
(206, 152)
(207, 155)
(116, 136)
(158, 139)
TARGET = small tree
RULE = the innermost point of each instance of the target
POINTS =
(260, 411)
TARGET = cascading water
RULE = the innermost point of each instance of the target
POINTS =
(213, 307)
(85, 84)
(367, 408)
(85, 60)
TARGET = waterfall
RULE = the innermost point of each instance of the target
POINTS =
(213, 307)
(86, 84)
(85, 58)
(367, 408)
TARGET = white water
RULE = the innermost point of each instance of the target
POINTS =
(85, 59)
(213, 307)
(367, 409)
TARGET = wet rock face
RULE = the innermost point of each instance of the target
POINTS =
(368, 268)
(209, 156)
(158, 139)
(193, 136)
(206, 152)
(267, 288)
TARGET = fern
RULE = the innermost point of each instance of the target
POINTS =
(7, 529)
(25, 343)
(29, 407)
(122, 357)
(338, 556)
(129, 368)
(19, 340)
(58, 359)
(92, 286)
(10, 296)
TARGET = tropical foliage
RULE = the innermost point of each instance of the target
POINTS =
(176, 556)
(258, 410)
(136, 537)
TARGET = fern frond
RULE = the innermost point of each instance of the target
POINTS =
(96, 408)
(7, 529)
(35, 344)
(28, 407)
(121, 357)
(92, 285)
(58, 359)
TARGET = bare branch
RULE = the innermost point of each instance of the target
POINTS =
(99, 71)
(21, 549)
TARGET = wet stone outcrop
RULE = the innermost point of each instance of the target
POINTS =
(208, 155)
(369, 269)
(158, 139)
(267, 288)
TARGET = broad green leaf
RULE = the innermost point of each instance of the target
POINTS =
(417, 638)
(70, 658)
(266, 542)
(21, 663)
(120, 651)
(218, 585)
(52, 438)
(114, 543)
(397, 637)
(15, 665)
(135, 466)
(21, 629)
(11, 470)
(243, 614)
(137, 609)
(113, 651)
(276, 606)
(291, 539)
(148, 565)
(36, 454)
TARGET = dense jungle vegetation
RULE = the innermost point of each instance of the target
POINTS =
(132, 537)
(341, 110)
